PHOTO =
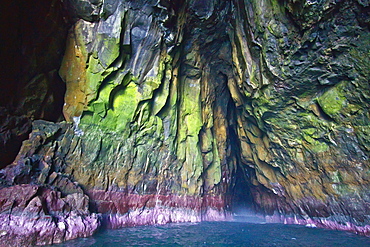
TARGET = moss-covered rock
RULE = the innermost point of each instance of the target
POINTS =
(332, 101)
(181, 101)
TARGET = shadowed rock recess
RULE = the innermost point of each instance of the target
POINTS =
(186, 110)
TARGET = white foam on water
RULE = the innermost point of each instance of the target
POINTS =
(248, 216)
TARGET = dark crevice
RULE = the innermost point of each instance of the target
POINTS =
(239, 189)
(242, 199)
(242, 196)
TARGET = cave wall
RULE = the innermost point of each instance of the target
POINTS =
(167, 103)
(308, 106)
(150, 85)
(32, 47)
(288, 78)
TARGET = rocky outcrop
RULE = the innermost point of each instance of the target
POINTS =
(38, 205)
(177, 109)
(33, 215)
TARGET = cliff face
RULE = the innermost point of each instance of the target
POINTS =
(181, 110)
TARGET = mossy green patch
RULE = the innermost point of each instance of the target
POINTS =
(99, 108)
(109, 121)
(316, 145)
(309, 131)
(332, 101)
(124, 105)
(213, 172)
(191, 110)
(105, 92)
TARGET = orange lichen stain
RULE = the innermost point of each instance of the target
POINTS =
(73, 72)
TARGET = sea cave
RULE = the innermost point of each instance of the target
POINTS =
(119, 113)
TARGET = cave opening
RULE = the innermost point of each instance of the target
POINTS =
(242, 201)
(242, 192)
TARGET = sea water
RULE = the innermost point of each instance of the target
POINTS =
(243, 231)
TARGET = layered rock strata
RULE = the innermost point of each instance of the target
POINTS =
(180, 107)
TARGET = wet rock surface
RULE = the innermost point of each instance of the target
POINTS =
(175, 108)
(33, 215)
(41, 201)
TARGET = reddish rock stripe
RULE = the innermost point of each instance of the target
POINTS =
(120, 202)
(160, 215)
(33, 215)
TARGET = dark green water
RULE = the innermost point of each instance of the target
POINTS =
(235, 233)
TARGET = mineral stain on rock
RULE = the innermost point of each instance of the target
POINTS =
(182, 111)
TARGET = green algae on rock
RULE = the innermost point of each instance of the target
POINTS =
(284, 91)
(192, 101)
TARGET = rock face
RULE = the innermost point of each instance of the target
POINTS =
(32, 215)
(181, 110)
